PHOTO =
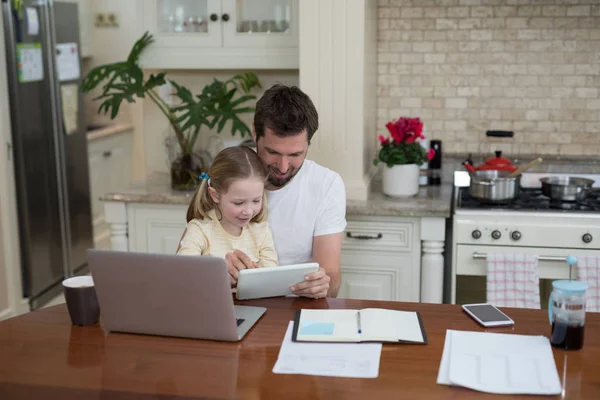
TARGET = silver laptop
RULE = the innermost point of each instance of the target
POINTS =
(168, 295)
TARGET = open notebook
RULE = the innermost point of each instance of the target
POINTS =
(366, 325)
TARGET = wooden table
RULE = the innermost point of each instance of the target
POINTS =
(42, 356)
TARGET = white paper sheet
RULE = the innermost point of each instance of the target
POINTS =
(70, 107)
(499, 363)
(350, 360)
(30, 64)
(443, 377)
(67, 61)
(33, 22)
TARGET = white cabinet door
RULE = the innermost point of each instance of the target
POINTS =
(156, 228)
(164, 237)
(206, 34)
(368, 283)
(267, 23)
(380, 276)
(110, 170)
(381, 259)
(182, 24)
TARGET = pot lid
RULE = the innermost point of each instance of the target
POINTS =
(499, 161)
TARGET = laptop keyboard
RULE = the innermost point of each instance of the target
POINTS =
(239, 321)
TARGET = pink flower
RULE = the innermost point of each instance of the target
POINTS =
(395, 131)
(411, 138)
(405, 130)
(383, 141)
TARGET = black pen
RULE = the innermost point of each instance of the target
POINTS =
(358, 322)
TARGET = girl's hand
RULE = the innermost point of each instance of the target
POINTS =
(315, 285)
(237, 261)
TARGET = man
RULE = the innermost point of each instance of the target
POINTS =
(306, 201)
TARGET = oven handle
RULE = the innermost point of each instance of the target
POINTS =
(483, 256)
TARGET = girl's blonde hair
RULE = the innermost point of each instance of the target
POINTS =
(229, 165)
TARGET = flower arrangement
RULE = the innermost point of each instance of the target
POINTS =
(403, 147)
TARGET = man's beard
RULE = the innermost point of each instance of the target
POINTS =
(281, 182)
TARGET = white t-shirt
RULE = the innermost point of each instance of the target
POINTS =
(312, 204)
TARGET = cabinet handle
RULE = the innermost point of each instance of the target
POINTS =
(364, 237)
(225, 17)
(214, 17)
(107, 153)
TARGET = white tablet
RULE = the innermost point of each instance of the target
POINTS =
(271, 281)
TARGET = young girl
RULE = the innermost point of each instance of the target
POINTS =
(228, 211)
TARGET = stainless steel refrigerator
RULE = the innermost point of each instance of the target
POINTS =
(49, 144)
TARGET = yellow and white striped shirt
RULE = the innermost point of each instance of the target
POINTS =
(207, 237)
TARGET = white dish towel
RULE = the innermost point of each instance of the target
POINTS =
(513, 280)
(588, 271)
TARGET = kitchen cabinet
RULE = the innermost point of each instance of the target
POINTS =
(381, 259)
(220, 34)
(110, 170)
(85, 26)
(381, 256)
(156, 228)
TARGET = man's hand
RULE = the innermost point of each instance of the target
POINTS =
(237, 261)
(315, 285)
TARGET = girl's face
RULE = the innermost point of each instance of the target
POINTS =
(240, 203)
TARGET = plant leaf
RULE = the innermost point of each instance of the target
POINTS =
(124, 80)
(402, 153)
(217, 104)
(155, 80)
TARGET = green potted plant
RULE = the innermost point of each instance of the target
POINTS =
(218, 103)
(402, 156)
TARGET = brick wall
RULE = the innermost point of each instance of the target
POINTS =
(466, 66)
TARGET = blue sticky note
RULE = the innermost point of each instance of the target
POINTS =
(316, 328)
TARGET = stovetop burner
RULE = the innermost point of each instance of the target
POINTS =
(531, 199)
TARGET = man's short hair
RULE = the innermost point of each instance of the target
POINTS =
(287, 111)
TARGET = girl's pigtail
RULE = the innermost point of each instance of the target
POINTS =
(204, 203)
(201, 203)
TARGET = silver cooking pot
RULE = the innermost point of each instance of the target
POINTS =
(491, 186)
(566, 188)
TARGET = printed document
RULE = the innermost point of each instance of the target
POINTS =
(499, 363)
(350, 360)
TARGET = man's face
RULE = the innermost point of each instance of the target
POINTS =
(282, 156)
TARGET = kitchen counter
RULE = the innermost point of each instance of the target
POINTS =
(432, 201)
(108, 130)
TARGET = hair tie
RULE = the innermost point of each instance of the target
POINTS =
(204, 176)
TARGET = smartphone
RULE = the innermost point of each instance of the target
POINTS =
(487, 315)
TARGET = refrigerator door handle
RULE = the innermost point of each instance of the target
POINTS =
(46, 7)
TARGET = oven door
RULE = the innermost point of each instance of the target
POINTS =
(470, 261)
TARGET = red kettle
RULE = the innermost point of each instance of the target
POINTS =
(497, 163)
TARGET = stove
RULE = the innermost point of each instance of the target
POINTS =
(531, 199)
(532, 224)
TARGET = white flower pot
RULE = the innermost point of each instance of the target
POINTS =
(401, 180)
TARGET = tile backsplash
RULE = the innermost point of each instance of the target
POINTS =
(468, 66)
